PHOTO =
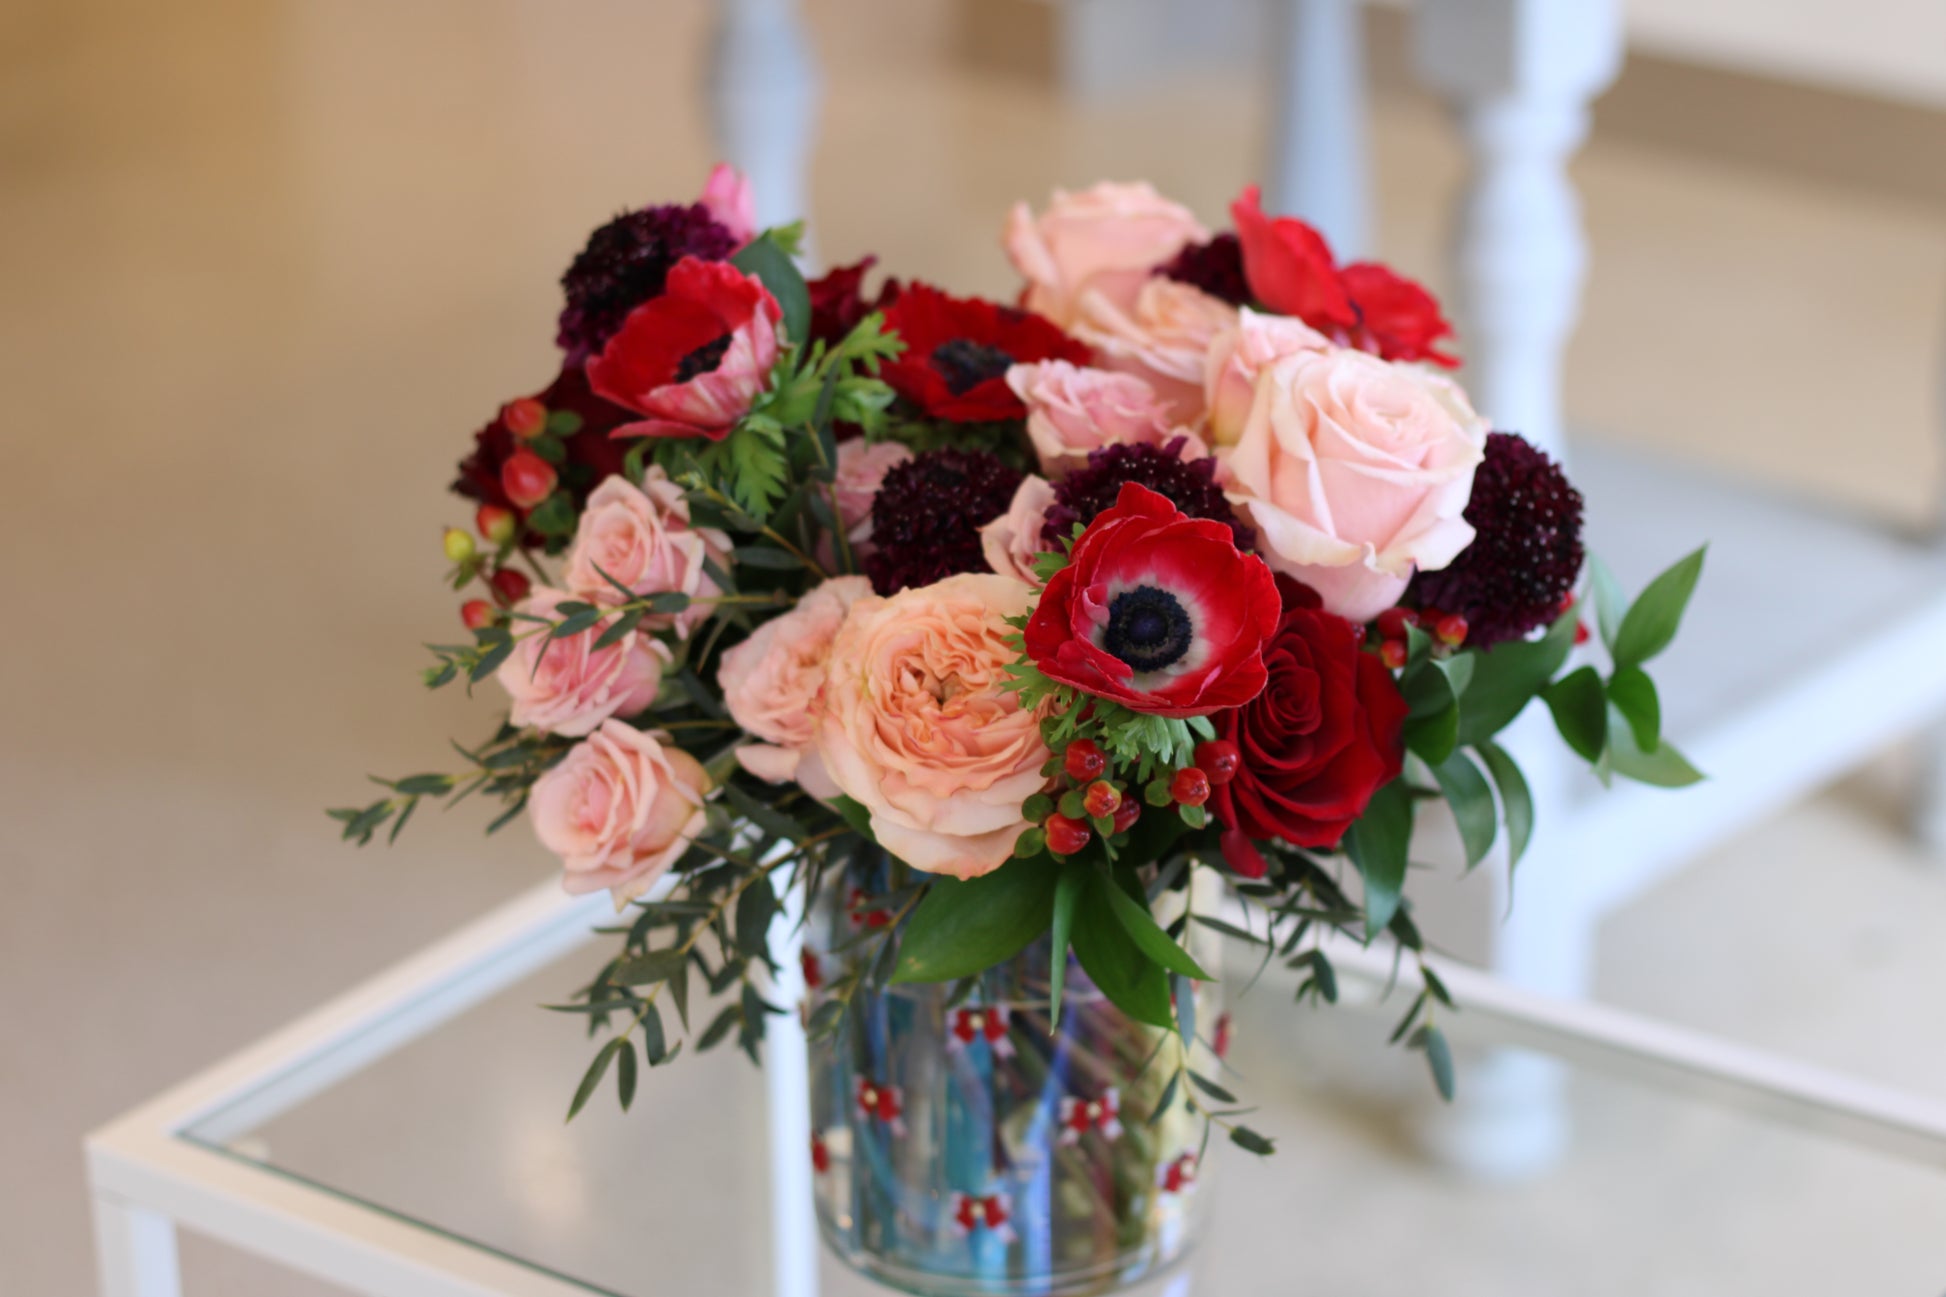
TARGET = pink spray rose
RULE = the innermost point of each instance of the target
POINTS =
(641, 537)
(728, 197)
(1355, 472)
(1163, 337)
(862, 466)
(694, 359)
(1072, 410)
(1105, 239)
(618, 810)
(1011, 541)
(576, 686)
(1236, 357)
(916, 724)
(770, 680)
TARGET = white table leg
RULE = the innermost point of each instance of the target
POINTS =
(1317, 166)
(763, 92)
(794, 1226)
(135, 1249)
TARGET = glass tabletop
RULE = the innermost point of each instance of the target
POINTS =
(461, 1131)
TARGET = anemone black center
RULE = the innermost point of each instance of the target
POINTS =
(702, 360)
(1148, 628)
(965, 364)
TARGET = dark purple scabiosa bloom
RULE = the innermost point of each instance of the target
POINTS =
(1526, 549)
(1215, 267)
(927, 515)
(1092, 490)
(625, 263)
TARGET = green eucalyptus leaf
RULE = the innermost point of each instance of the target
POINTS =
(596, 1070)
(1471, 799)
(1377, 843)
(1439, 1058)
(966, 927)
(1580, 708)
(1067, 892)
(1652, 619)
(1251, 1142)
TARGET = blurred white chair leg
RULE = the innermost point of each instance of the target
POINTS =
(1317, 167)
(763, 94)
(135, 1249)
(1926, 814)
(794, 1227)
(1520, 75)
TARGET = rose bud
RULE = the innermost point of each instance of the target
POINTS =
(496, 523)
(527, 478)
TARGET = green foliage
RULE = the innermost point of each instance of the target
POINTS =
(964, 928)
(1377, 844)
(1131, 981)
(1506, 677)
(1471, 799)
(1651, 621)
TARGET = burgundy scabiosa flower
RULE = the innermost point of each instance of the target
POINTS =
(958, 351)
(1526, 549)
(1189, 484)
(1215, 267)
(1157, 611)
(626, 262)
(927, 515)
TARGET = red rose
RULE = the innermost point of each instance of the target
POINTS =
(591, 456)
(1157, 611)
(1321, 738)
(694, 359)
(958, 351)
(1365, 305)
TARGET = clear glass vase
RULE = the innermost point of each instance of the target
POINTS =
(970, 1148)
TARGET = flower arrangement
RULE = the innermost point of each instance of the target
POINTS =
(997, 628)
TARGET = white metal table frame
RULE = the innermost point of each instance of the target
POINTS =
(149, 1175)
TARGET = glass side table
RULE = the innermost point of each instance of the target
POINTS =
(407, 1139)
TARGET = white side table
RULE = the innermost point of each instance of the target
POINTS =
(194, 1157)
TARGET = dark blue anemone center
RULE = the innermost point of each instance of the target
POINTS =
(703, 360)
(1148, 628)
(965, 364)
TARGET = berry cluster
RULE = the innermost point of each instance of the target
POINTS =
(1446, 629)
(1089, 800)
(527, 479)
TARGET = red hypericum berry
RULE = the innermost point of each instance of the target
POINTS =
(1451, 630)
(457, 544)
(1065, 836)
(477, 613)
(1190, 786)
(1126, 814)
(1393, 621)
(1083, 760)
(509, 585)
(1241, 855)
(1219, 759)
(525, 417)
(496, 522)
(1102, 798)
(1392, 653)
(527, 478)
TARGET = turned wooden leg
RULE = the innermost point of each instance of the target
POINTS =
(763, 93)
(1317, 168)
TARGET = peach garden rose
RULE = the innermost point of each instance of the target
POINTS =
(1104, 239)
(568, 686)
(770, 680)
(641, 537)
(1355, 472)
(618, 810)
(916, 726)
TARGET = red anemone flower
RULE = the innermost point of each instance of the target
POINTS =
(958, 351)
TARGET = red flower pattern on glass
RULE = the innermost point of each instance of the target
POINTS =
(981, 1022)
(1079, 1116)
(990, 1212)
(881, 1103)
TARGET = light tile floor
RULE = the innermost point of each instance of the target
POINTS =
(267, 265)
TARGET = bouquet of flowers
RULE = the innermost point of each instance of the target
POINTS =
(1004, 633)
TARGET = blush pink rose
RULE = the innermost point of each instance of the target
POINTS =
(770, 680)
(1163, 337)
(1355, 472)
(862, 466)
(575, 685)
(618, 810)
(1105, 239)
(729, 198)
(916, 724)
(641, 537)
(1011, 541)
(1237, 356)
(1072, 410)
